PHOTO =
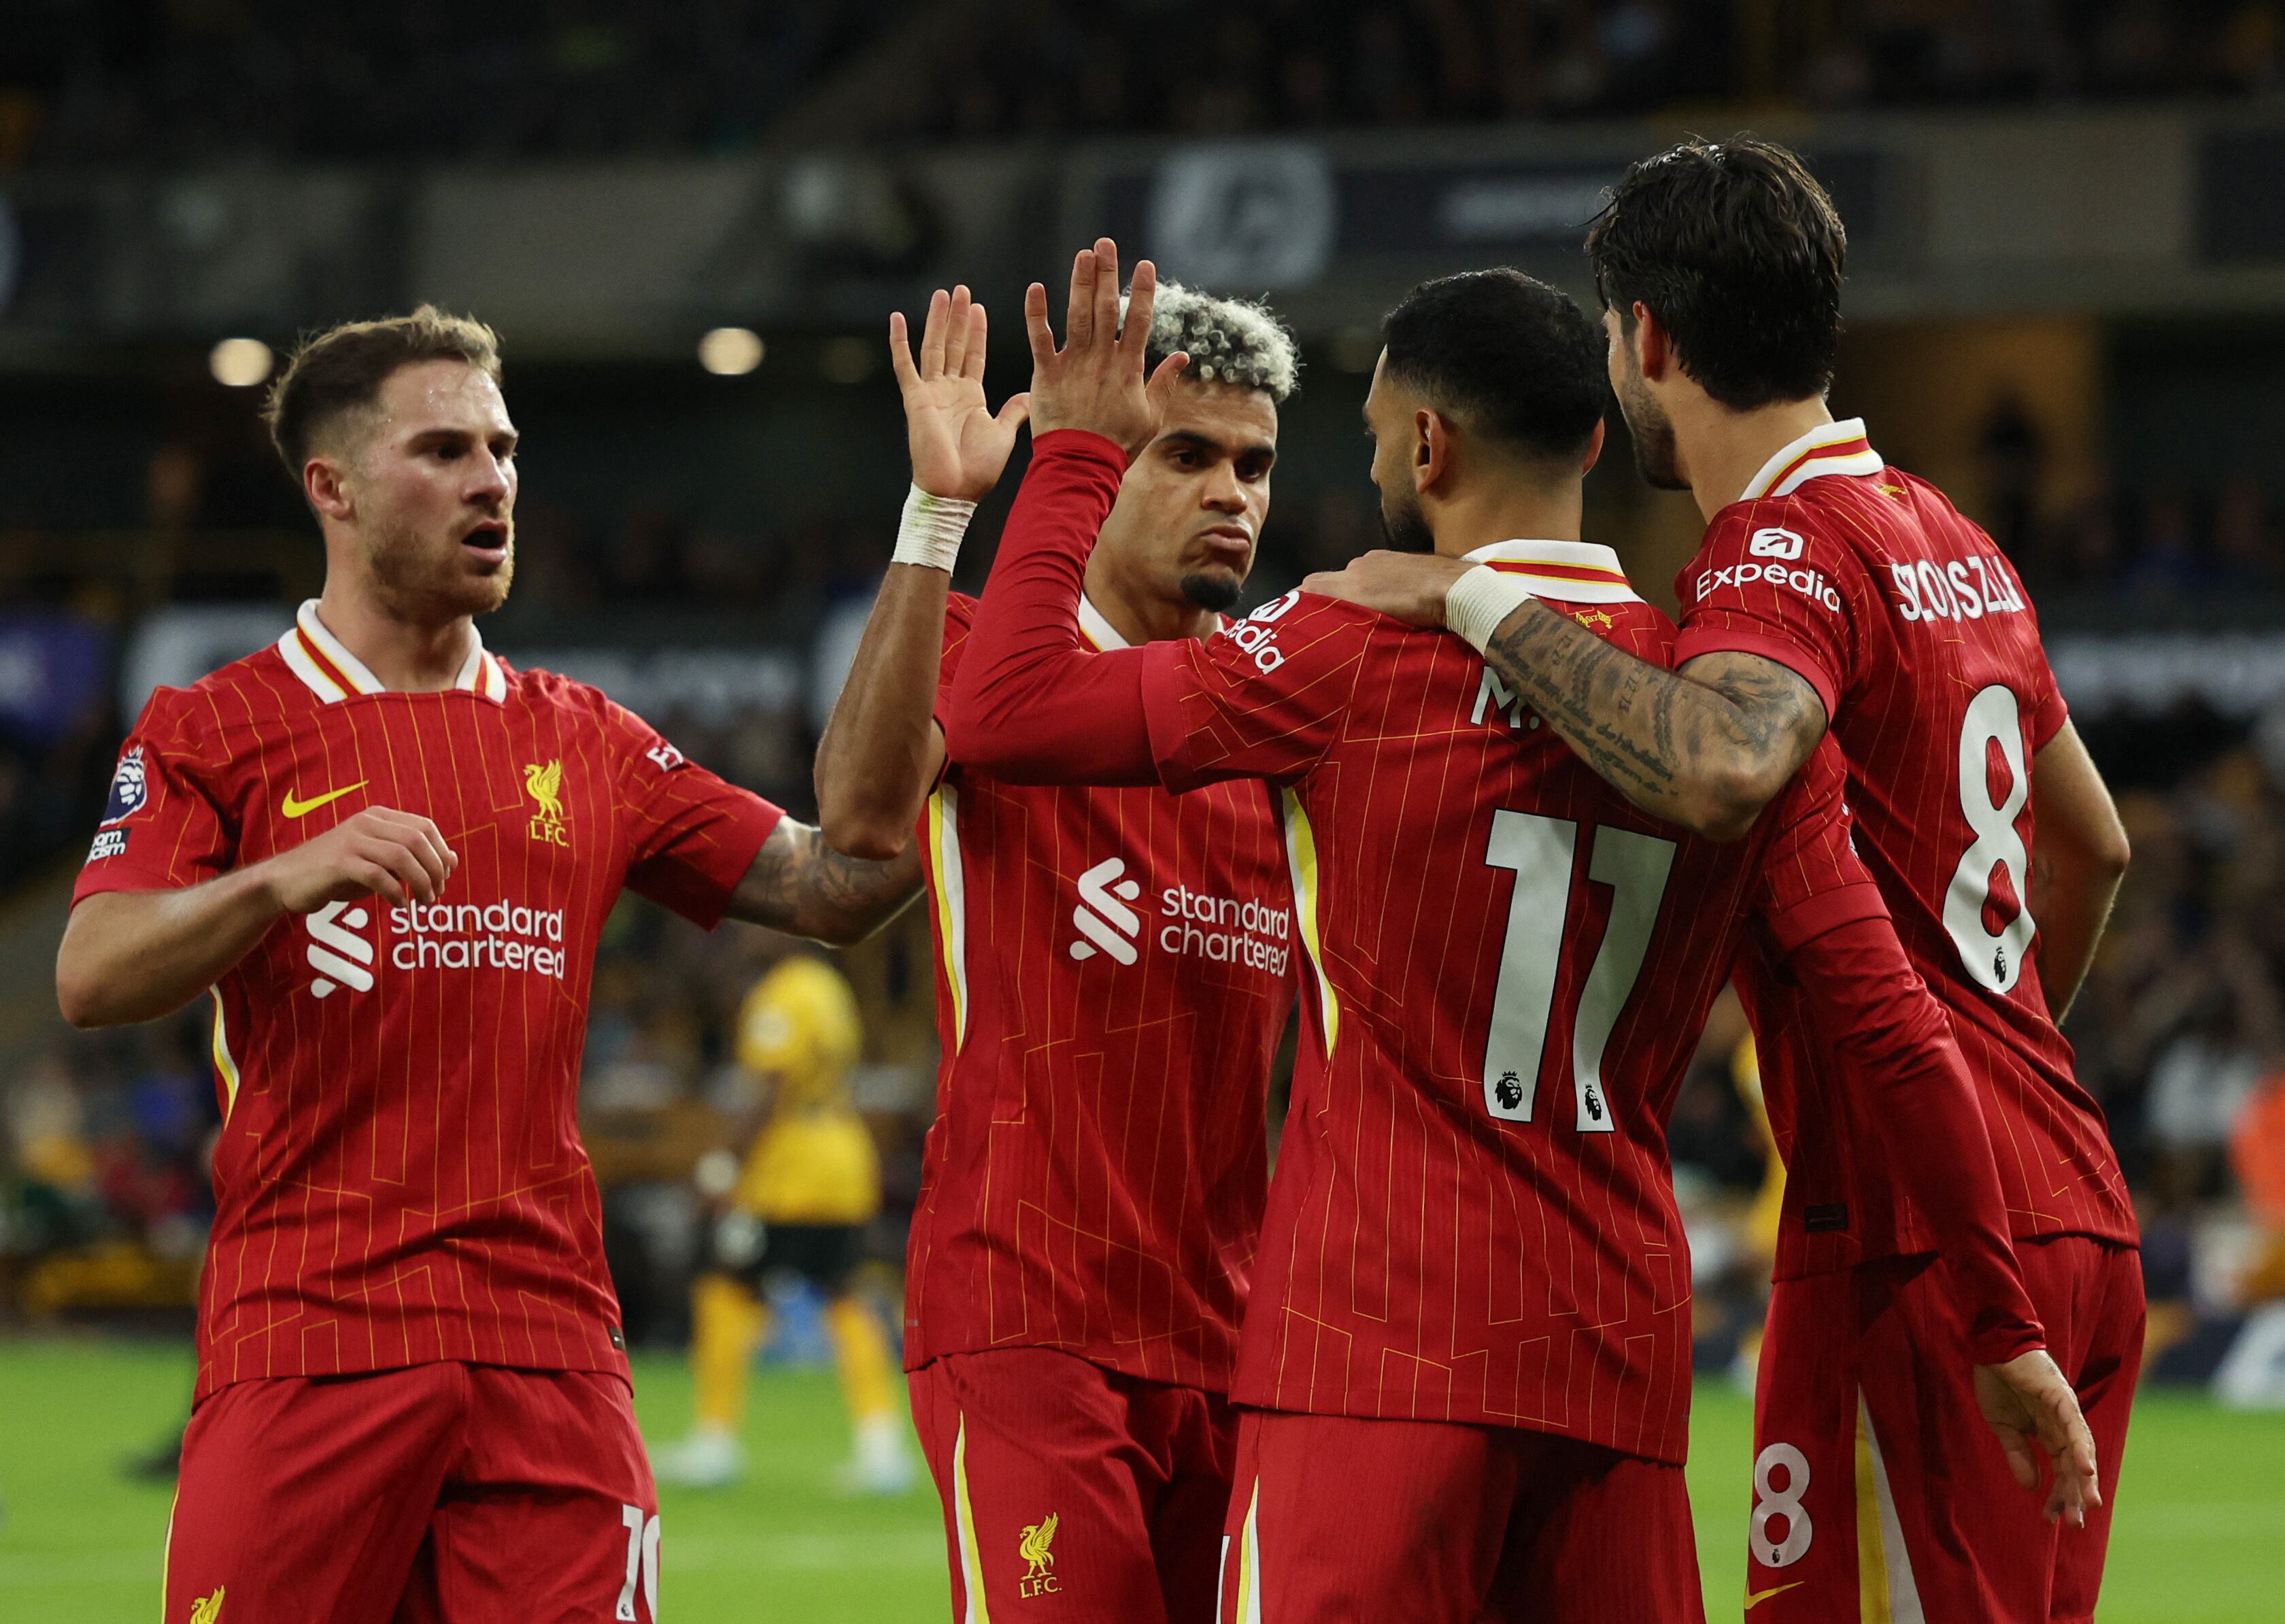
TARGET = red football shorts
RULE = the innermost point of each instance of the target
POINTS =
(1879, 1494)
(1334, 1518)
(1072, 1493)
(441, 1494)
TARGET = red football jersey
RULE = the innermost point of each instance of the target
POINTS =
(400, 1178)
(1915, 632)
(1115, 966)
(1473, 1219)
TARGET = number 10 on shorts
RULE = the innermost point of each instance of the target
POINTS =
(642, 1563)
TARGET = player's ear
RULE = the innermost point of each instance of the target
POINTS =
(1652, 344)
(1594, 448)
(1432, 448)
(324, 482)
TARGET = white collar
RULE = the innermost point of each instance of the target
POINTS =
(328, 669)
(1569, 571)
(1095, 626)
(1829, 448)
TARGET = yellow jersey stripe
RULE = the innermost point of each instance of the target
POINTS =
(971, 1565)
(1301, 857)
(225, 1067)
(1249, 1562)
(1886, 1592)
(951, 903)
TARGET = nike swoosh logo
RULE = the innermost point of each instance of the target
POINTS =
(1755, 1598)
(302, 809)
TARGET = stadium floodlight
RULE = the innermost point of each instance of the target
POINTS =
(730, 352)
(241, 363)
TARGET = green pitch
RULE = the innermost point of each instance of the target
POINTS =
(2198, 1537)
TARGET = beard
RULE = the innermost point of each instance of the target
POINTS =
(1652, 431)
(1213, 591)
(1404, 528)
(414, 582)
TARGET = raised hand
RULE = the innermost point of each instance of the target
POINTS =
(2028, 1402)
(959, 445)
(1096, 380)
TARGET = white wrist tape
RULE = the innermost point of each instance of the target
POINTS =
(930, 531)
(1476, 603)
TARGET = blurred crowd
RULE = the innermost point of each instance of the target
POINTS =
(388, 79)
(403, 81)
(1060, 64)
(2166, 542)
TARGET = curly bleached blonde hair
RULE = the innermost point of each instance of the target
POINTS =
(1228, 341)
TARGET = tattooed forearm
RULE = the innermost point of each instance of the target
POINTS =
(800, 884)
(1707, 750)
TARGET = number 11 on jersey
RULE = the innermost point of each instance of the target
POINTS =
(1540, 851)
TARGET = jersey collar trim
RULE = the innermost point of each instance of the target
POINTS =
(1829, 448)
(1574, 571)
(328, 669)
(1096, 627)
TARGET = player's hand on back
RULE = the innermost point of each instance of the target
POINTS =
(1408, 585)
(401, 857)
(2028, 1402)
(1095, 381)
(959, 446)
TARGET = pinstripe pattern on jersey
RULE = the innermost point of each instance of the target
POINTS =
(1904, 662)
(1421, 1258)
(400, 1178)
(1093, 1182)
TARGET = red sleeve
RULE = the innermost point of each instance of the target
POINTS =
(1770, 580)
(959, 616)
(1029, 703)
(163, 826)
(1811, 881)
(1888, 1035)
(691, 836)
(1264, 697)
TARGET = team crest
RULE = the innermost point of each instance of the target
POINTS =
(544, 782)
(130, 788)
(207, 1609)
(1591, 619)
(1033, 1547)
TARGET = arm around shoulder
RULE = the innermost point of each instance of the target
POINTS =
(800, 884)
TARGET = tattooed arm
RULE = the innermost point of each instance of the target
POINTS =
(1707, 747)
(800, 884)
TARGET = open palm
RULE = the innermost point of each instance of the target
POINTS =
(959, 445)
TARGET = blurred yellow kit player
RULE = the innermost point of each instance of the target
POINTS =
(812, 1179)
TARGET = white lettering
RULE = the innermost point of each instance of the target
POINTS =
(1965, 588)
(1970, 601)
(1908, 591)
(1492, 691)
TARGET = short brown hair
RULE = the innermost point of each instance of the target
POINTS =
(341, 371)
(1739, 254)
